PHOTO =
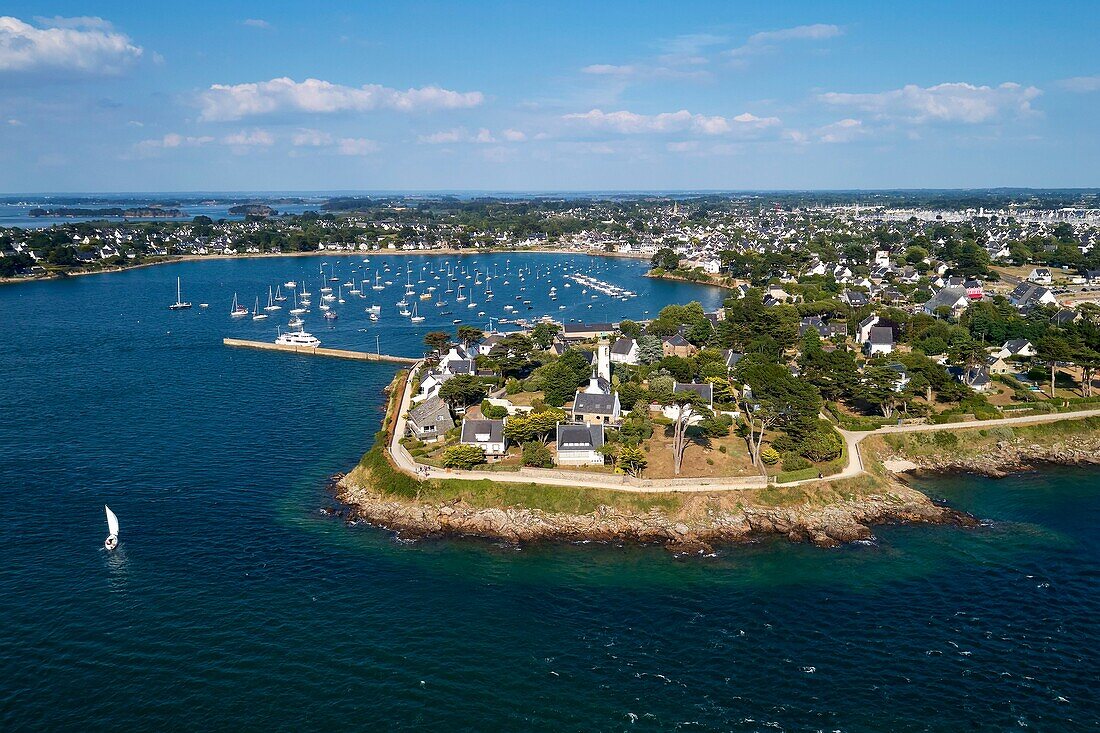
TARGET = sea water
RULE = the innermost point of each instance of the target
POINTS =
(234, 603)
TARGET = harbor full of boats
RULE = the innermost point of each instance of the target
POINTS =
(373, 295)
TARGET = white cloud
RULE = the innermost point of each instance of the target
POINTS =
(586, 148)
(687, 47)
(631, 123)
(14, 122)
(1081, 84)
(175, 140)
(482, 136)
(609, 70)
(79, 21)
(841, 131)
(815, 32)
(683, 146)
(952, 102)
(444, 137)
(623, 72)
(72, 45)
(256, 23)
(311, 138)
(307, 137)
(250, 138)
(222, 102)
(766, 41)
(355, 146)
(170, 141)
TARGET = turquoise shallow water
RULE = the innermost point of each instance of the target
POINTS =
(233, 603)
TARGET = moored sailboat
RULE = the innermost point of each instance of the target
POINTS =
(237, 310)
(179, 304)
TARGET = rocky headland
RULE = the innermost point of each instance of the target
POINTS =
(994, 452)
(694, 523)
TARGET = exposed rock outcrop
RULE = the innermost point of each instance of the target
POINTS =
(707, 519)
(1013, 456)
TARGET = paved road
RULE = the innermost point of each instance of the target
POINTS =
(407, 464)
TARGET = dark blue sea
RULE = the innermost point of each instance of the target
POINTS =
(233, 603)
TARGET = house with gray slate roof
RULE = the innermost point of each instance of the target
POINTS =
(597, 409)
(485, 434)
(579, 445)
(430, 420)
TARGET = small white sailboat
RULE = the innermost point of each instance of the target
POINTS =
(256, 314)
(179, 304)
(271, 306)
(279, 297)
(238, 310)
(416, 318)
(112, 529)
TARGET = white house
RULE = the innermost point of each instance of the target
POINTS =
(954, 299)
(880, 340)
(485, 434)
(704, 390)
(579, 445)
(1041, 276)
(863, 333)
(624, 351)
(1021, 348)
(592, 408)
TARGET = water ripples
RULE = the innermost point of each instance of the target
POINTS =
(232, 603)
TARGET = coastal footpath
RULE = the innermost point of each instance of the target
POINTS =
(514, 508)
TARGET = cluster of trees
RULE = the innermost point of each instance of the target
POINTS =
(13, 264)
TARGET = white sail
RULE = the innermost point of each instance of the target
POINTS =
(112, 522)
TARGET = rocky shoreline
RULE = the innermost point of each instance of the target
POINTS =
(1006, 458)
(706, 521)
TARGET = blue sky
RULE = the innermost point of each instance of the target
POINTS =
(548, 96)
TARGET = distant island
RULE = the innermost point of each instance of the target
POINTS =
(143, 212)
(252, 210)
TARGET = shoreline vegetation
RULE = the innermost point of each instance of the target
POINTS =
(995, 452)
(826, 513)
